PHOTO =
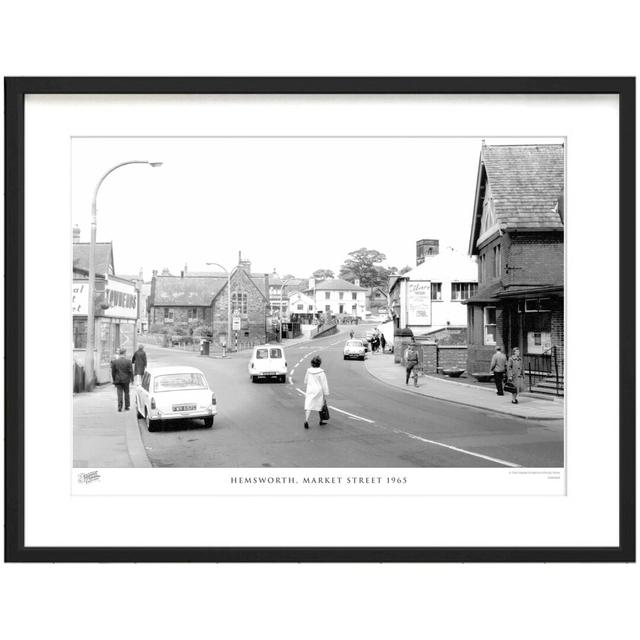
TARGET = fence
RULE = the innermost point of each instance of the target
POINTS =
(545, 366)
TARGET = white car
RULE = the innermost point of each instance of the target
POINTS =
(354, 349)
(268, 361)
(172, 393)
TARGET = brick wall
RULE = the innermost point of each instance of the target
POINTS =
(428, 354)
(452, 357)
(538, 258)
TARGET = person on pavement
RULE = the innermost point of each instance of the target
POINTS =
(499, 368)
(412, 362)
(139, 362)
(383, 342)
(317, 390)
(122, 374)
(515, 374)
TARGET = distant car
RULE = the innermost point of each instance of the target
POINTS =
(268, 361)
(354, 349)
(173, 393)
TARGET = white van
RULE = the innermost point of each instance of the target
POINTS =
(268, 361)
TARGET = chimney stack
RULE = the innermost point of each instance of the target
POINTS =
(76, 234)
(425, 249)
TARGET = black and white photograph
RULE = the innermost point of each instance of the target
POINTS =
(318, 302)
(352, 313)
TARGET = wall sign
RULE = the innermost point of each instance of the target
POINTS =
(419, 302)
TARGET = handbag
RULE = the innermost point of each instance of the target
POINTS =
(509, 387)
(324, 412)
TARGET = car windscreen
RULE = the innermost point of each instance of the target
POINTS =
(178, 381)
(276, 353)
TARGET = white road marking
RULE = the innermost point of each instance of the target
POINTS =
(351, 415)
(449, 446)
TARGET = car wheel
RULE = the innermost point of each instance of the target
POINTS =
(208, 422)
(253, 379)
(283, 378)
(150, 426)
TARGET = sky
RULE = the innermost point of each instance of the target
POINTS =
(290, 205)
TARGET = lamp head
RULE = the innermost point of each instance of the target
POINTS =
(156, 164)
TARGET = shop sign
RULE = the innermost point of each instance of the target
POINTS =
(419, 302)
(79, 297)
(122, 300)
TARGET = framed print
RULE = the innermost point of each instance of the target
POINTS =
(320, 319)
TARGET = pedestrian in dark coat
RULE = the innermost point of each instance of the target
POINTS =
(139, 362)
(383, 342)
(412, 362)
(499, 368)
(122, 374)
(515, 373)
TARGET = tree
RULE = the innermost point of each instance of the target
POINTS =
(362, 265)
(322, 274)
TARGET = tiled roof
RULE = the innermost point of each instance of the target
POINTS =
(104, 256)
(337, 284)
(526, 182)
(187, 291)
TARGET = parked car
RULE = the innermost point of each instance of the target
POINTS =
(268, 361)
(354, 349)
(172, 393)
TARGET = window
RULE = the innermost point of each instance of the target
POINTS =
(341, 294)
(327, 295)
(481, 267)
(436, 290)
(463, 290)
(327, 308)
(239, 303)
(178, 381)
(354, 296)
(168, 314)
(299, 307)
(192, 314)
(497, 261)
(79, 333)
(489, 325)
(488, 214)
(262, 354)
(310, 307)
(275, 353)
(534, 305)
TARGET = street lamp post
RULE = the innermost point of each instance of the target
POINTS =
(281, 299)
(91, 329)
(215, 264)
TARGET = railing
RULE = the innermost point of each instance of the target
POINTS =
(549, 364)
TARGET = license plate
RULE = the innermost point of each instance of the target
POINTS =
(269, 373)
(184, 407)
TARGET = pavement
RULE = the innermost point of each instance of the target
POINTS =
(102, 436)
(382, 367)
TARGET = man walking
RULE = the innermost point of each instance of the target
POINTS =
(412, 362)
(499, 368)
(122, 374)
(139, 362)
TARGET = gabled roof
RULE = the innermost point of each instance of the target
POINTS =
(104, 257)
(336, 284)
(527, 187)
(188, 291)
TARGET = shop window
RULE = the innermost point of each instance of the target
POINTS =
(79, 333)
(463, 290)
(436, 290)
(490, 325)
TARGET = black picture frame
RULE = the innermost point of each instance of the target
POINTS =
(15, 91)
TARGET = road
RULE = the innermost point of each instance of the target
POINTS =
(371, 425)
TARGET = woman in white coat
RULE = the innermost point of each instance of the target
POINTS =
(317, 389)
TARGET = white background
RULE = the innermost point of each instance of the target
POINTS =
(372, 38)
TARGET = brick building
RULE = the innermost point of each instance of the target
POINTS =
(202, 301)
(517, 234)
